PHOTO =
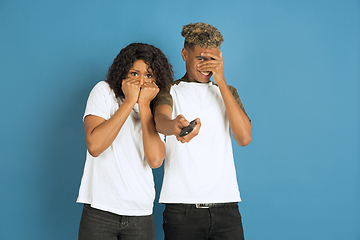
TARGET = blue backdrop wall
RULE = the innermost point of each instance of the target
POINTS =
(296, 65)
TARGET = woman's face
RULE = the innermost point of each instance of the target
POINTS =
(141, 71)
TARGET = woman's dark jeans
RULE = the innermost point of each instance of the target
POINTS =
(100, 225)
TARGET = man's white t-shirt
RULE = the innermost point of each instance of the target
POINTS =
(202, 170)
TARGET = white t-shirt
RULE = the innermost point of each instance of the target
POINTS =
(119, 180)
(203, 170)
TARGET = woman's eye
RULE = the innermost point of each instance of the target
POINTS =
(133, 74)
(149, 75)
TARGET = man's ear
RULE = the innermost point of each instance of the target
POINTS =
(184, 54)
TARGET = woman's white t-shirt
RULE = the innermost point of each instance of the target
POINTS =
(119, 180)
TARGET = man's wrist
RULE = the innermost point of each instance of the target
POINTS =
(173, 126)
(221, 83)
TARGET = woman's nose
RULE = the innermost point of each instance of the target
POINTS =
(142, 80)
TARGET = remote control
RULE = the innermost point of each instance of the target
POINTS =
(186, 130)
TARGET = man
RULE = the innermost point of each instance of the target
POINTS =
(200, 187)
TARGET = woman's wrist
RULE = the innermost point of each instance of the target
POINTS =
(130, 102)
(144, 103)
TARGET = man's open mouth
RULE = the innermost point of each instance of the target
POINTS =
(206, 74)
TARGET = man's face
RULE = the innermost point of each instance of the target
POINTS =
(192, 57)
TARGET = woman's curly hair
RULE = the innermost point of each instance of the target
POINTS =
(152, 56)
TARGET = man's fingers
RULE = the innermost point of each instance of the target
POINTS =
(192, 134)
(195, 131)
(211, 55)
(197, 126)
(209, 65)
(182, 120)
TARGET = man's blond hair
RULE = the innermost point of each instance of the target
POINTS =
(202, 34)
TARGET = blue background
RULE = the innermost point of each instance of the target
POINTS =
(296, 65)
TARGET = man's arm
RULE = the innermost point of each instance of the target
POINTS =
(239, 123)
(168, 126)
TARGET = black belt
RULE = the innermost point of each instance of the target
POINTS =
(204, 205)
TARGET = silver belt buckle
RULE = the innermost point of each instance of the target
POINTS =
(200, 205)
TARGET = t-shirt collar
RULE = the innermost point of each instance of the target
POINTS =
(186, 79)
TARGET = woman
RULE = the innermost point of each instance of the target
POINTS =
(117, 186)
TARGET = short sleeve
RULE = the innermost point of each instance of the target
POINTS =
(163, 97)
(98, 103)
(237, 98)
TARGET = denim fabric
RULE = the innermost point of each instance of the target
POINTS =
(184, 221)
(100, 225)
